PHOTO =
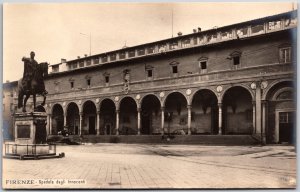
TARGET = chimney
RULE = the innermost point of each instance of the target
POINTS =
(195, 30)
(179, 33)
(85, 55)
(63, 60)
(78, 57)
(199, 29)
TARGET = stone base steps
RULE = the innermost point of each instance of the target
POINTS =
(157, 139)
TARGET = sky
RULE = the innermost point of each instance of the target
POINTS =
(62, 30)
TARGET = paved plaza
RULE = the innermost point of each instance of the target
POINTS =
(157, 166)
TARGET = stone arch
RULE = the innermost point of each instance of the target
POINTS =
(73, 118)
(206, 88)
(240, 85)
(237, 111)
(107, 116)
(273, 84)
(150, 115)
(89, 118)
(126, 96)
(86, 101)
(128, 116)
(277, 130)
(142, 98)
(57, 119)
(204, 116)
(169, 93)
(176, 113)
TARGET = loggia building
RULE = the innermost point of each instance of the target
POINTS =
(232, 80)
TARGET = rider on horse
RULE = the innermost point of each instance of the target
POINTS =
(30, 68)
(32, 82)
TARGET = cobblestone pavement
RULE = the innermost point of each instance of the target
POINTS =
(157, 166)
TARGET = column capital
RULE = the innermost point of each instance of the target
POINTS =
(138, 109)
(253, 102)
(220, 104)
(263, 101)
(189, 107)
(162, 108)
(81, 114)
(98, 112)
(118, 111)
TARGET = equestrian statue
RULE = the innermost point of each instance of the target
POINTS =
(32, 82)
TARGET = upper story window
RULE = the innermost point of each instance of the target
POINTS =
(212, 38)
(202, 39)
(174, 66)
(72, 84)
(131, 53)
(88, 63)
(274, 25)
(122, 55)
(242, 32)
(226, 35)
(149, 72)
(106, 78)
(104, 59)
(150, 50)
(175, 69)
(285, 54)
(186, 42)
(203, 64)
(290, 22)
(162, 48)
(195, 41)
(55, 68)
(96, 61)
(88, 81)
(257, 29)
(113, 57)
(81, 64)
(173, 45)
(236, 59)
(141, 52)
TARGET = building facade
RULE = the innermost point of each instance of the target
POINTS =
(232, 80)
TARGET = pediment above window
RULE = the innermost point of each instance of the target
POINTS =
(174, 63)
(236, 54)
(202, 58)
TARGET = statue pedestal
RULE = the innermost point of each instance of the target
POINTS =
(30, 128)
(30, 137)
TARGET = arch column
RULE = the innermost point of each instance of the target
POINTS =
(139, 120)
(258, 110)
(117, 121)
(253, 118)
(65, 119)
(189, 108)
(263, 131)
(220, 118)
(80, 122)
(50, 124)
(98, 123)
(162, 120)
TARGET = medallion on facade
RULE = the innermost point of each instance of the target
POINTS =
(161, 94)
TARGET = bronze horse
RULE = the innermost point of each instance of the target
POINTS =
(36, 86)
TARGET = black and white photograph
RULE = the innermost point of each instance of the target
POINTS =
(149, 95)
